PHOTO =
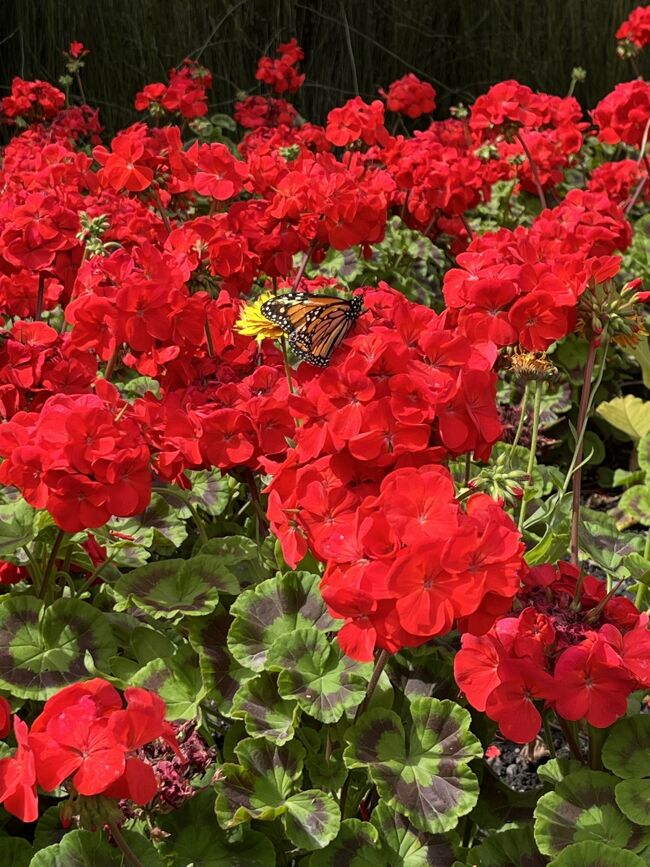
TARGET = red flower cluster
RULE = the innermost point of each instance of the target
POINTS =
(76, 460)
(622, 116)
(280, 74)
(87, 737)
(618, 181)
(186, 93)
(516, 119)
(522, 286)
(636, 27)
(257, 112)
(410, 96)
(32, 100)
(582, 661)
(363, 490)
(356, 121)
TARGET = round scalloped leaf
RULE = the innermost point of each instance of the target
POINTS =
(583, 807)
(429, 781)
(177, 680)
(312, 820)
(271, 611)
(627, 749)
(44, 649)
(259, 786)
(222, 675)
(195, 838)
(265, 713)
(590, 854)
(172, 588)
(633, 798)
(92, 849)
(406, 846)
(555, 770)
(356, 845)
(315, 672)
(15, 851)
(515, 847)
(240, 555)
(210, 490)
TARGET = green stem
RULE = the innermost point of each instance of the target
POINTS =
(641, 589)
(122, 845)
(520, 424)
(548, 735)
(380, 664)
(200, 526)
(577, 476)
(533, 448)
(567, 729)
(596, 741)
(253, 490)
(287, 366)
(43, 588)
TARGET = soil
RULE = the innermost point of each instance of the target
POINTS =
(516, 765)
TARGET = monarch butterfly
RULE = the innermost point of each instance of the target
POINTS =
(316, 324)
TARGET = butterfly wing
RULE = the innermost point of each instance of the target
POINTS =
(316, 324)
(316, 341)
(293, 310)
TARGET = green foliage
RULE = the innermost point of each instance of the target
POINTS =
(427, 777)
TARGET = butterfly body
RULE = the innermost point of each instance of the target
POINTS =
(315, 324)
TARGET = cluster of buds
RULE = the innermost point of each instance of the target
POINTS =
(91, 234)
(500, 481)
(618, 311)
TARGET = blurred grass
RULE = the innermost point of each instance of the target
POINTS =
(461, 46)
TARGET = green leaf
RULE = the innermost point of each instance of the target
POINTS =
(49, 829)
(633, 798)
(642, 354)
(312, 820)
(628, 414)
(149, 644)
(177, 680)
(356, 845)
(627, 749)
(263, 786)
(590, 854)
(603, 541)
(264, 711)
(92, 849)
(406, 846)
(172, 588)
(516, 847)
(429, 781)
(222, 675)
(169, 528)
(196, 838)
(15, 851)
(43, 649)
(211, 492)
(635, 504)
(638, 567)
(16, 526)
(643, 454)
(240, 555)
(258, 787)
(315, 672)
(583, 807)
(271, 611)
(555, 770)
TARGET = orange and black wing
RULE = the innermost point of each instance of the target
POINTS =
(316, 324)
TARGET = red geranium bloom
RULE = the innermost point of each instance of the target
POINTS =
(18, 778)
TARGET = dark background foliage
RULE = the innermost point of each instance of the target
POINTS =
(461, 46)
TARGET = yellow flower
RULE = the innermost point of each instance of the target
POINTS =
(253, 323)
